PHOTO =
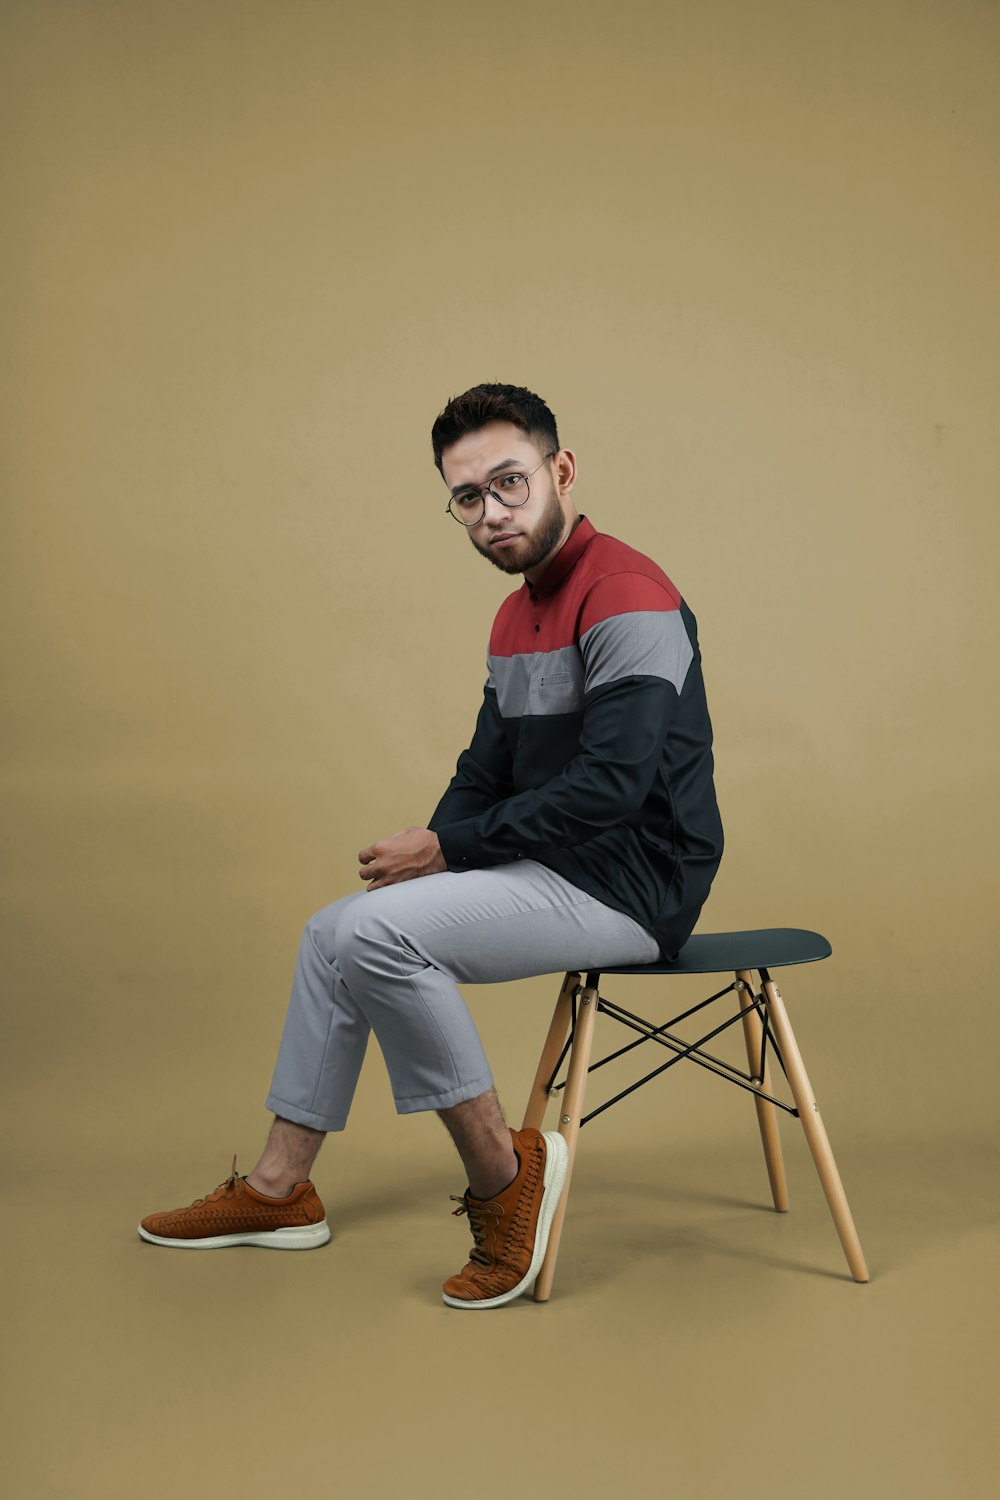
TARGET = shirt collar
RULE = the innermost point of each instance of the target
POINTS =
(575, 544)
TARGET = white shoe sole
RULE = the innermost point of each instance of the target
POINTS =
(305, 1237)
(553, 1179)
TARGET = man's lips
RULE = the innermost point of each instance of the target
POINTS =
(505, 536)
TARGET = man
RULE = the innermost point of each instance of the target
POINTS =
(580, 830)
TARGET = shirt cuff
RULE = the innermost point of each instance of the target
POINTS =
(457, 846)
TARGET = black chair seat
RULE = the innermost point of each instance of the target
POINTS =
(722, 952)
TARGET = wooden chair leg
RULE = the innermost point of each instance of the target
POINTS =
(815, 1132)
(767, 1115)
(569, 1126)
(534, 1114)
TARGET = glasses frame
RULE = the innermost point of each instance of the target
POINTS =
(507, 504)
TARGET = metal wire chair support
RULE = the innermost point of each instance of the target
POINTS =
(689, 1051)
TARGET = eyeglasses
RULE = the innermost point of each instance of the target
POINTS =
(469, 506)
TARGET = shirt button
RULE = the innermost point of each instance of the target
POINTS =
(538, 627)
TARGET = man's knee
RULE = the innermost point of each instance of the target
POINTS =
(325, 927)
(371, 933)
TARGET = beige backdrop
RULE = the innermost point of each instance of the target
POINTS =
(747, 252)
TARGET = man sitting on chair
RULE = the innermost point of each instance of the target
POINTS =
(579, 831)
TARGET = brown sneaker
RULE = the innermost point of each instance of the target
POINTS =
(236, 1214)
(511, 1230)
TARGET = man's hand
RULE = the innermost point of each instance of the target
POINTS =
(405, 856)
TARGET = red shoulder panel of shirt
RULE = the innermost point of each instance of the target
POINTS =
(609, 578)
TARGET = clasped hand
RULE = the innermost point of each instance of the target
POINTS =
(404, 856)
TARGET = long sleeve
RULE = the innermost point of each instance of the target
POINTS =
(635, 652)
(484, 773)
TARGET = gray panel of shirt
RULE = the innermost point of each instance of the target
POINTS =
(643, 643)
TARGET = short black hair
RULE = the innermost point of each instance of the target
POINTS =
(494, 403)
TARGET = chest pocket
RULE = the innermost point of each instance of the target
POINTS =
(556, 686)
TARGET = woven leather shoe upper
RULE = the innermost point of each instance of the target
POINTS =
(234, 1207)
(503, 1228)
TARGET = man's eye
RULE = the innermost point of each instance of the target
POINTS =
(510, 481)
(467, 499)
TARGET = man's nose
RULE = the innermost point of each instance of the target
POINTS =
(491, 503)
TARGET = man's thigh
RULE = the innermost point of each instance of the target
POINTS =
(506, 922)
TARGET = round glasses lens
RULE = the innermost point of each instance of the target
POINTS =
(467, 508)
(512, 489)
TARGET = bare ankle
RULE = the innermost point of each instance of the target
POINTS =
(490, 1184)
(271, 1186)
(287, 1158)
(483, 1140)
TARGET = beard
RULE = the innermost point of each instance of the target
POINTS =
(531, 550)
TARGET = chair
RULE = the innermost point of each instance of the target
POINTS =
(765, 1026)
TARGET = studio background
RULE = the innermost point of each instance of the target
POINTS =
(747, 253)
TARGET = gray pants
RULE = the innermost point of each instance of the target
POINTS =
(389, 961)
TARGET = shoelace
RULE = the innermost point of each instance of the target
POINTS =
(230, 1182)
(478, 1214)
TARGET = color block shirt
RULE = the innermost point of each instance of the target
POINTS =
(592, 752)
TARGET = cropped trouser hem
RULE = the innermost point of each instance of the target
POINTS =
(470, 1090)
(300, 1116)
(411, 1106)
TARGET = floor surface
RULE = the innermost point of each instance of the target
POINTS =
(696, 1343)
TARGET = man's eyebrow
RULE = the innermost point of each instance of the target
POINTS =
(505, 463)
